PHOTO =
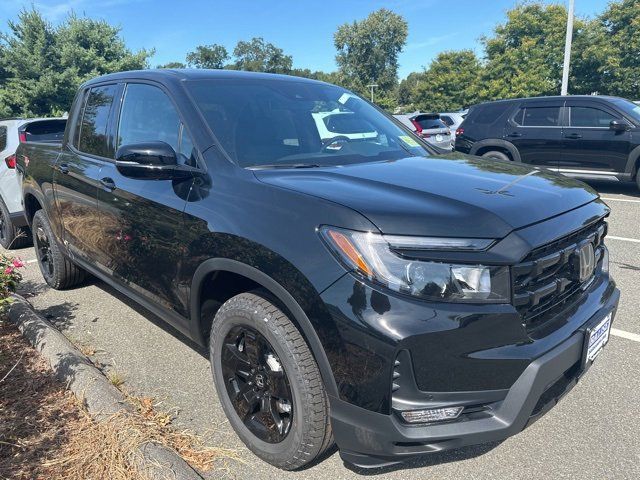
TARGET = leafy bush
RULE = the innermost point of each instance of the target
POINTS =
(10, 276)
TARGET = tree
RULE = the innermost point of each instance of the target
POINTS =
(368, 51)
(172, 65)
(208, 56)
(256, 55)
(450, 82)
(524, 57)
(43, 65)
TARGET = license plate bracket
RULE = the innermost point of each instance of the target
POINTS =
(596, 336)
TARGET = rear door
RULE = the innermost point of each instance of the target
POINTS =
(588, 141)
(77, 173)
(142, 217)
(536, 131)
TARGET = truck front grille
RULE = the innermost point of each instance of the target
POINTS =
(547, 279)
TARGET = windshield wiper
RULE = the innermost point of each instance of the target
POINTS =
(284, 165)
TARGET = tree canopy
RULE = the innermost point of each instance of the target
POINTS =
(208, 56)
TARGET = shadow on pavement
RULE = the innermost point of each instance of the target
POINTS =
(604, 187)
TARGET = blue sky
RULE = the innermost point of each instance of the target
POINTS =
(303, 28)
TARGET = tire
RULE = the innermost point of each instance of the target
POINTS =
(309, 429)
(56, 268)
(638, 178)
(497, 155)
(11, 236)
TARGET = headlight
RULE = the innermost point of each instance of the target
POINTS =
(372, 256)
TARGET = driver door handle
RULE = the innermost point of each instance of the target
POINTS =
(573, 136)
(108, 184)
(514, 135)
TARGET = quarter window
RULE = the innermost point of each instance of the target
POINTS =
(590, 117)
(94, 128)
(539, 117)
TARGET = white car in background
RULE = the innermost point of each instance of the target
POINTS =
(13, 131)
(453, 120)
(430, 127)
(337, 123)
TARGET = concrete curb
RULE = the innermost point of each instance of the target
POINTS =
(80, 376)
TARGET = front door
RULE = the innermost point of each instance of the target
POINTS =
(142, 216)
(77, 174)
(535, 130)
(589, 143)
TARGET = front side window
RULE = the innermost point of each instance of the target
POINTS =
(148, 115)
(270, 123)
(539, 117)
(94, 133)
(590, 117)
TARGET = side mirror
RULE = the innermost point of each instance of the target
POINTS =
(618, 126)
(150, 160)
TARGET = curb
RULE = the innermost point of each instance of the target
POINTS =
(100, 397)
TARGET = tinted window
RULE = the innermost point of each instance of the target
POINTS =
(347, 123)
(629, 108)
(487, 114)
(93, 130)
(541, 117)
(44, 130)
(590, 117)
(148, 115)
(260, 122)
(3, 138)
(448, 121)
(427, 123)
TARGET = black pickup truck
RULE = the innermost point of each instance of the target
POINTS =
(357, 290)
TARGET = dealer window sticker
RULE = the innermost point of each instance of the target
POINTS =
(409, 141)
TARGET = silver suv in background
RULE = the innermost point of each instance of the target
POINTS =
(13, 226)
(453, 120)
(430, 127)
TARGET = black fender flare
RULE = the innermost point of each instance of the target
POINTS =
(277, 290)
(631, 162)
(38, 196)
(497, 142)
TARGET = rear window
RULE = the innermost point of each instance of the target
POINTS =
(429, 122)
(538, 117)
(347, 123)
(44, 130)
(3, 138)
(487, 114)
(448, 121)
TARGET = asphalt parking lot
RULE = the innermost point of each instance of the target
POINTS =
(594, 432)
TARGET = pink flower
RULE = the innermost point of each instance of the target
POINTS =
(8, 270)
(127, 237)
(18, 263)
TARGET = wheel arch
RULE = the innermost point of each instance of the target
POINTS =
(300, 318)
(484, 145)
(633, 163)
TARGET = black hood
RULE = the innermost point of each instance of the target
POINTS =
(452, 195)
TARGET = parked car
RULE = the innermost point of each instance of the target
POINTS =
(453, 120)
(393, 300)
(332, 124)
(430, 127)
(581, 136)
(13, 233)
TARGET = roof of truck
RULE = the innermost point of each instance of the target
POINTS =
(194, 74)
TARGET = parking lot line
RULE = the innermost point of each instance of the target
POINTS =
(609, 199)
(628, 335)
(624, 239)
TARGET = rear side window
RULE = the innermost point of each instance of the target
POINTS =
(590, 117)
(44, 130)
(3, 138)
(538, 117)
(94, 128)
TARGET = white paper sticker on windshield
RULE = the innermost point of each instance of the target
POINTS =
(344, 98)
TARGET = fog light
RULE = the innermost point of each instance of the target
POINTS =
(432, 415)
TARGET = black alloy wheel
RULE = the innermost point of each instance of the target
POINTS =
(43, 251)
(257, 384)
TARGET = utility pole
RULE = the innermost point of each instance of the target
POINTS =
(567, 50)
(372, 86)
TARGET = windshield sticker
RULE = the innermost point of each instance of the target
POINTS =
(409, 141)
(344, 98)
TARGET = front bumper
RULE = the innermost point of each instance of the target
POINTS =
(370, 439)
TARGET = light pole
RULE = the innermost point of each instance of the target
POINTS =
(372, 86)
(567, 50)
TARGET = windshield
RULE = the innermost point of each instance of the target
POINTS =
(272, 123)
(629, 108)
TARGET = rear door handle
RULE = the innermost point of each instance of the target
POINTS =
(514, 135)
(573, 136)
(63, 168)
(108, 183)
